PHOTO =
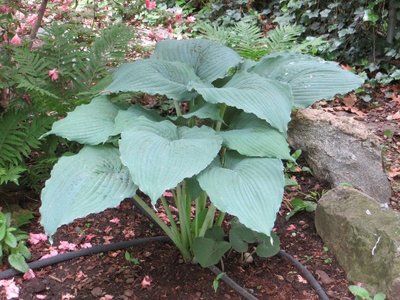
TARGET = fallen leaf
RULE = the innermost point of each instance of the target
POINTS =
(107, 297)
(350, 100)
(41, 297)
(396, 116)
(325, 279)
(146, 282)
(393, 172)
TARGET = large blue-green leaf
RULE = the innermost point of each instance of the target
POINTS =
(210, 60)
(126, 118)
(88, 182)
(160, 155)
(248, 188)
(252, 136)
(90, 124)
(310, 78)
(268, 99)
(154, 77)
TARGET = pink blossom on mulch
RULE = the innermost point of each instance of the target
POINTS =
(86, 245)
(10, 288)
(29, 275)
(291, 227)
(115, 220)
(53, 252)
(67, 246)
(36, 238)
(89, 237)
(146, 282)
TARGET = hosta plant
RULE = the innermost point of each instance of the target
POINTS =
(225, 144)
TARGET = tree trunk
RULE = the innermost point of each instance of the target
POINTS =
(35, 28)
(391, 22)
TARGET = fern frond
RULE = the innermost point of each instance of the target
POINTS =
(282, 38)
(11, 174)
(19, 136)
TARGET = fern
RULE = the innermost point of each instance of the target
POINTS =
(11, 174)
(247, 39)
(19, 136)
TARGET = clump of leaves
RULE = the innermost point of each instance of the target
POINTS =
(12, 241)
(225, 143)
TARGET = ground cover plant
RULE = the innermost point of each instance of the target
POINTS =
(225, 143)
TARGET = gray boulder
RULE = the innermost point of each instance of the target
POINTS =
(340, 150)
(364, 237)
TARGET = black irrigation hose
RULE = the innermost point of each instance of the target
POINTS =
(243, 292)
(83, 252)
(307, 274)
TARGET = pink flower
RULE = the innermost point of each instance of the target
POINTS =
(12, 291)
(4, 9)
(52, 253)
(168, 194)
(67, 246)
(150, 5)
(53, 74)
(29, 275)
(146, 282)
(115, 221)
(86, 245)
(16, 40)
(190, 19)
(36, 238)
(291, 227)
(178, 17)
(31, 20)
(89, 237)
(108, 229)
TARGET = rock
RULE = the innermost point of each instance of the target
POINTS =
(97, 292)
(340, 150)
(364, 237)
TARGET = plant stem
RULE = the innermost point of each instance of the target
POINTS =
(200, 206)
(208, 220)
(221, 113)
(183, 218)
(174, 237)
(174, 227)
(220, 219)
(177, 108)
